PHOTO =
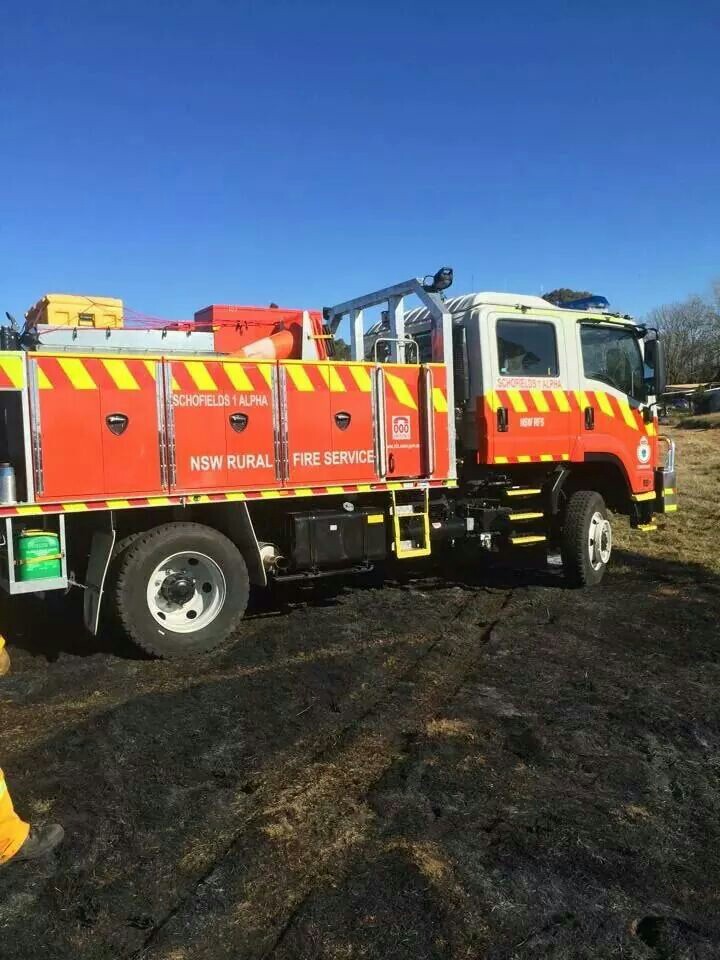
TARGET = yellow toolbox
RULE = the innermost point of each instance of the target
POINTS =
(66, 310)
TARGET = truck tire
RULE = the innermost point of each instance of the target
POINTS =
(586, 542)
(179, 589)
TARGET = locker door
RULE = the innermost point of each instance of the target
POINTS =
(307, 422)
(353, 435)
(250, 424)
(66, 416)
(131, 415)
(198, 408)
(405, 432)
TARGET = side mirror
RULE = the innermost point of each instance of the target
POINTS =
(655, 359)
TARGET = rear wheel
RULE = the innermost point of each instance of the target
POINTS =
(180, 589)
(586, 539)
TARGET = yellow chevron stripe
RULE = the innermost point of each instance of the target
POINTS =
(159, 501)
(332, 378)
(75, 507)
(303, 492)
(364, 488)
(335, 489)
(538, 398)
(643, 496)
(42, 378)
(270, 494)
(493, 400)
(266, 372)
(119, 504)
(518, 404)
(560, 398)
(200, 375)
(299, 377)
(671, 507)
(501, 460)
(565, 456)
(361, 378)
(668, 491)
(604, 404)
(121, 375)
(150, 366)
(28, 511)
(546, 456)
(439, 400)
(523, 458)
(627, 413)
(235, 496)
(13, 369)
(401, 390)
(582, 399)
(237, 377)
(650, 429)
(76, 372)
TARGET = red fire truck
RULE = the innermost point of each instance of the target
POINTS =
(174, 465)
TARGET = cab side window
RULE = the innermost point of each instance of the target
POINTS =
(527, 348)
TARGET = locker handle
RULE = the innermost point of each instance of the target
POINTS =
(117, 423)
(502, 420)
(238, 421)
(589, 418)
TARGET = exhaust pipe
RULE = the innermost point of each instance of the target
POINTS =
(271, 557)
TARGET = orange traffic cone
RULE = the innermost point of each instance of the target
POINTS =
(278, 346)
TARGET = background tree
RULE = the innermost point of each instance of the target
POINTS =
(691, 331)
(563, 294)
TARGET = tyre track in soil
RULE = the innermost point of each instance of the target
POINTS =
(307, 821)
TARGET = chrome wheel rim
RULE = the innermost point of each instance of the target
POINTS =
(186, 592)
(599, 540)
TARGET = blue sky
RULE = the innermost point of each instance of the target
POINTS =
(182, 153)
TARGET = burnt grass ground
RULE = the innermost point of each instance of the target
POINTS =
(469, 762)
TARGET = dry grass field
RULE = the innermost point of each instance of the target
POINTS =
(460, 764)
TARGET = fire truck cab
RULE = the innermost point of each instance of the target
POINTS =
(164, 471)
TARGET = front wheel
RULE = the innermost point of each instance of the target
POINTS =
(180, 589)
(586, 542)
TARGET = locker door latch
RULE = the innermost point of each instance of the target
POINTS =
(117, 423)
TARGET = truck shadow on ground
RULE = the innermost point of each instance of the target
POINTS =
(50, 626)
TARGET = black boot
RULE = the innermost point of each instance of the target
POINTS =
(39, 841)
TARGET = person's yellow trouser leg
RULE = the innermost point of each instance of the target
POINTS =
(13, 830)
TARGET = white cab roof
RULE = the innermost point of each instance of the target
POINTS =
(470, 301)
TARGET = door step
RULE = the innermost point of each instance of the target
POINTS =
(525, 516)
(523, 492)
(406, 542)
(526, 541)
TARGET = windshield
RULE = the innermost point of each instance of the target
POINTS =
(612, 356)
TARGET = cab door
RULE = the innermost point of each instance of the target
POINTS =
(530, 412)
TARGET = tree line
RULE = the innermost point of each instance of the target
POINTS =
(691, 331)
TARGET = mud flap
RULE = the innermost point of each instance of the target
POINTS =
(666, 491)
(101, 550)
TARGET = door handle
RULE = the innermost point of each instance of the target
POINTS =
(589, 418)
(391, 463)
(502, 419)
